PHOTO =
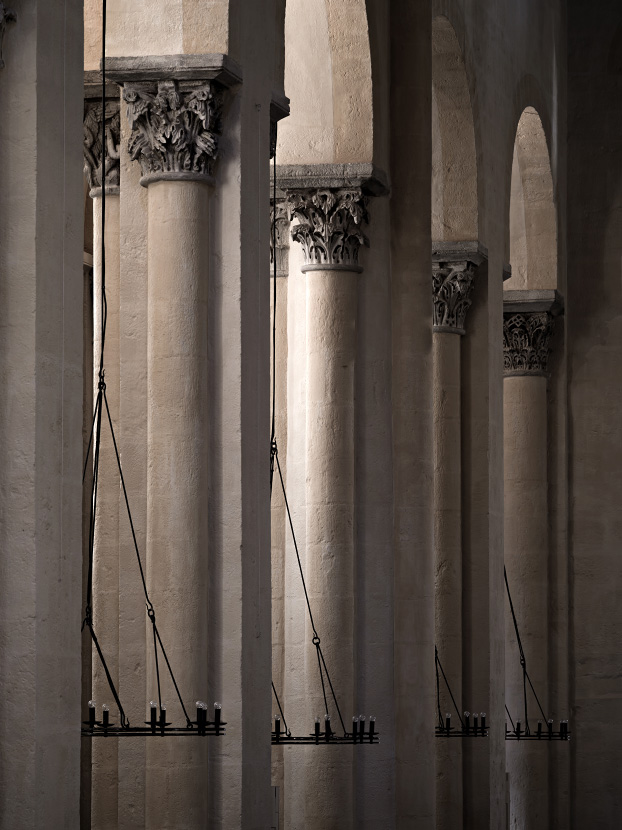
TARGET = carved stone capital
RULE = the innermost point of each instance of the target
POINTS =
(175, 127)
(329, 226)
(6, 16)
(452, 285)
(526, 337)
(279, 221)
(454, 265)
(93, 144)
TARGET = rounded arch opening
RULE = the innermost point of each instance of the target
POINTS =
(533, 222)
(454, 159)
(329, 83)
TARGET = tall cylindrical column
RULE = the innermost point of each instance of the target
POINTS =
(177, 486)
(452, 286)
(279, 529)
(448, 566)
(526, 554)
(104, 775)
(331, 352)
(329, 230)
(177, 171)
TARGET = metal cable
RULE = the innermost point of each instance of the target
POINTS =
(523, 663)
(440, 666)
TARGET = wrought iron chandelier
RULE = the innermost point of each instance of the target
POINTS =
(521, 730)
(157, 725)
(444, 728)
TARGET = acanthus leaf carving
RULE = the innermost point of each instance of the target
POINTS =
(329, 225)
(6, 16)
(93, 143)
(175, 126)
(526, 338)
(452, 286)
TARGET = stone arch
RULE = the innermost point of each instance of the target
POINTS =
(532, 215)
(454, 158)
(329, 83)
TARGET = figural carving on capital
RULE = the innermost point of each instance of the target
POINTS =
(93, 143)
(6, 16)
(452, 285)
(329, 226)
(526, 338)
(175, 127)
(279, 234)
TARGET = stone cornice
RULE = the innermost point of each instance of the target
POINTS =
(533, 300)
(367, 177)
(93, 135)
(329, 226)
(459, 251)
(6, 16)
(454, 265)
(209, 67)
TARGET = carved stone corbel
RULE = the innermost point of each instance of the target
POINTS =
(329, 226)
(175, 128)
(6, 16)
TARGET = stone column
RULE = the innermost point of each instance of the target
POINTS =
(104, 779)
(41, 313)
(453, 270)
(279, 527)
(527, 327)
(329, 229)
(174, 134)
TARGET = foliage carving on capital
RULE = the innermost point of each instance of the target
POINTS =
(526, 338)
(93, 143)
(329, 225)
(279, 233)
(6, 16)
(452, 285)
(175, 126)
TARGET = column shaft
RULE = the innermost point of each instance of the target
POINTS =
(448, 566)
(526, 561)
(177, 487)
(106, 550)
(331, 350)
(279, 529)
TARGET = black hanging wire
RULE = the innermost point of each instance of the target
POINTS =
(523, 663)
(439, 665)
(274, 461)
(95, 444)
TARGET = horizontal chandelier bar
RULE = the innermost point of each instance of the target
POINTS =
(541, 734)
(477, 729)
(328, 737)
(157, 726)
